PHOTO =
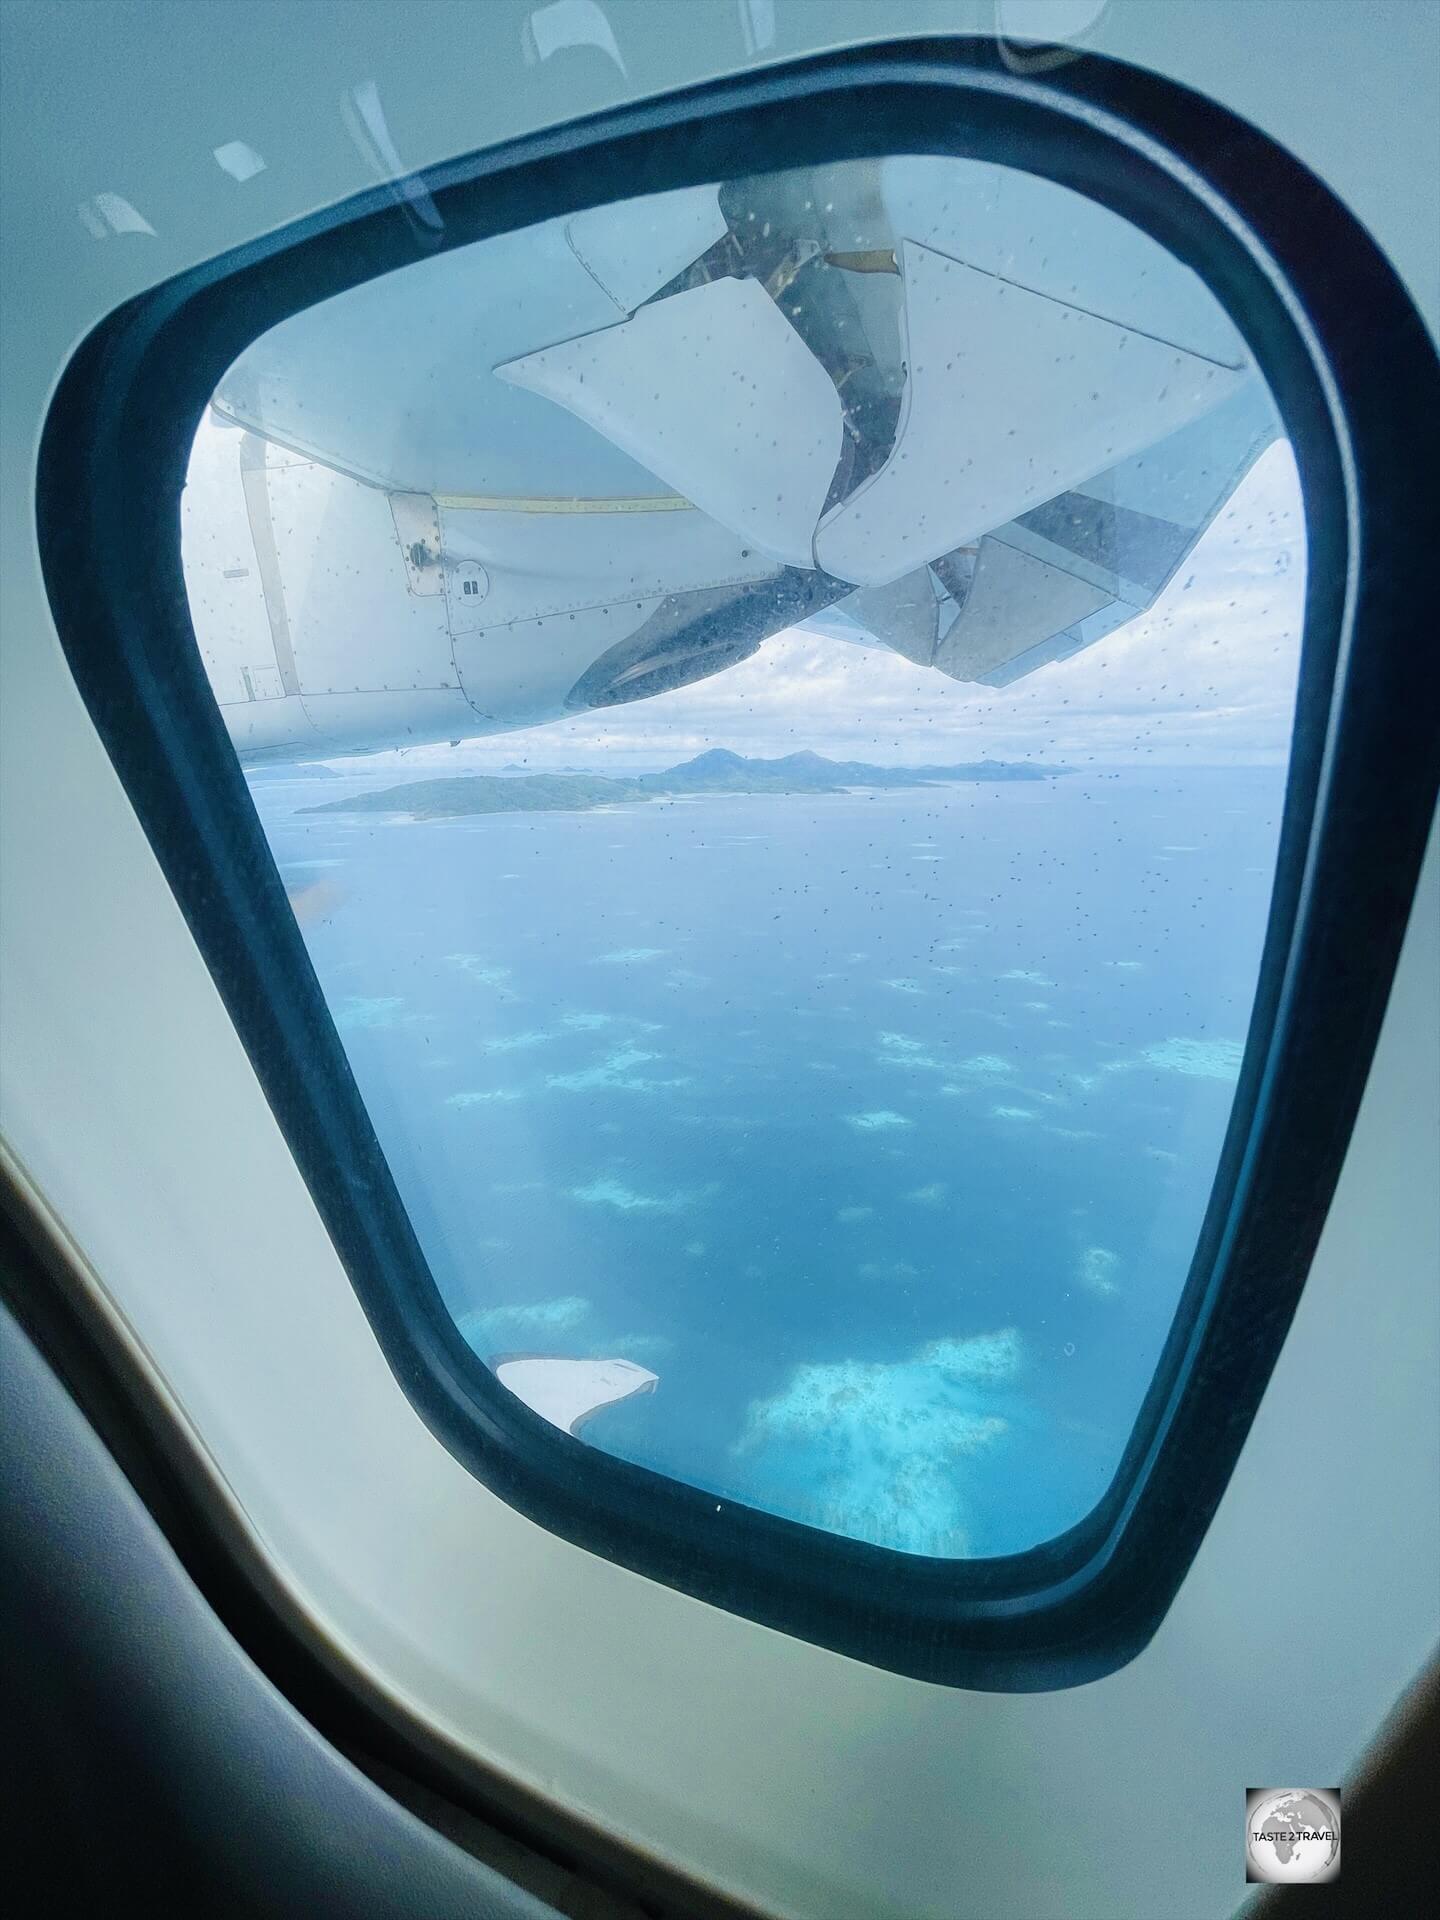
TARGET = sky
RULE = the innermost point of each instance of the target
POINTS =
(1205, 678)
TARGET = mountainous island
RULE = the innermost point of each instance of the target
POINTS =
(718, 771)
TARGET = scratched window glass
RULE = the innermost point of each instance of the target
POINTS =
(771, 705)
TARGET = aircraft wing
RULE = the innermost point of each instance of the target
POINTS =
(597, 459)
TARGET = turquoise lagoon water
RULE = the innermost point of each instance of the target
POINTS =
(879, 1126)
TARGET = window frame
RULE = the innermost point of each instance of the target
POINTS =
(1356, 380)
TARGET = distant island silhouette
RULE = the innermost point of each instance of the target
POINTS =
(718, 771)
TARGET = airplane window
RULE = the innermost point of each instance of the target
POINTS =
(771, 704)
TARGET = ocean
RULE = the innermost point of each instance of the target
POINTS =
(878, 1126)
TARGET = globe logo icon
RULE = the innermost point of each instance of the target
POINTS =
(1292, 1835)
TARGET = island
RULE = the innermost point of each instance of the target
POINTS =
(718, 771)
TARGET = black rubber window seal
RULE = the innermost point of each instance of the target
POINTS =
(1355, 376)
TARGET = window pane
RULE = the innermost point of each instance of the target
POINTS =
(771, 704)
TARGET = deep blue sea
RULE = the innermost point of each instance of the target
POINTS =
(879, 1127)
